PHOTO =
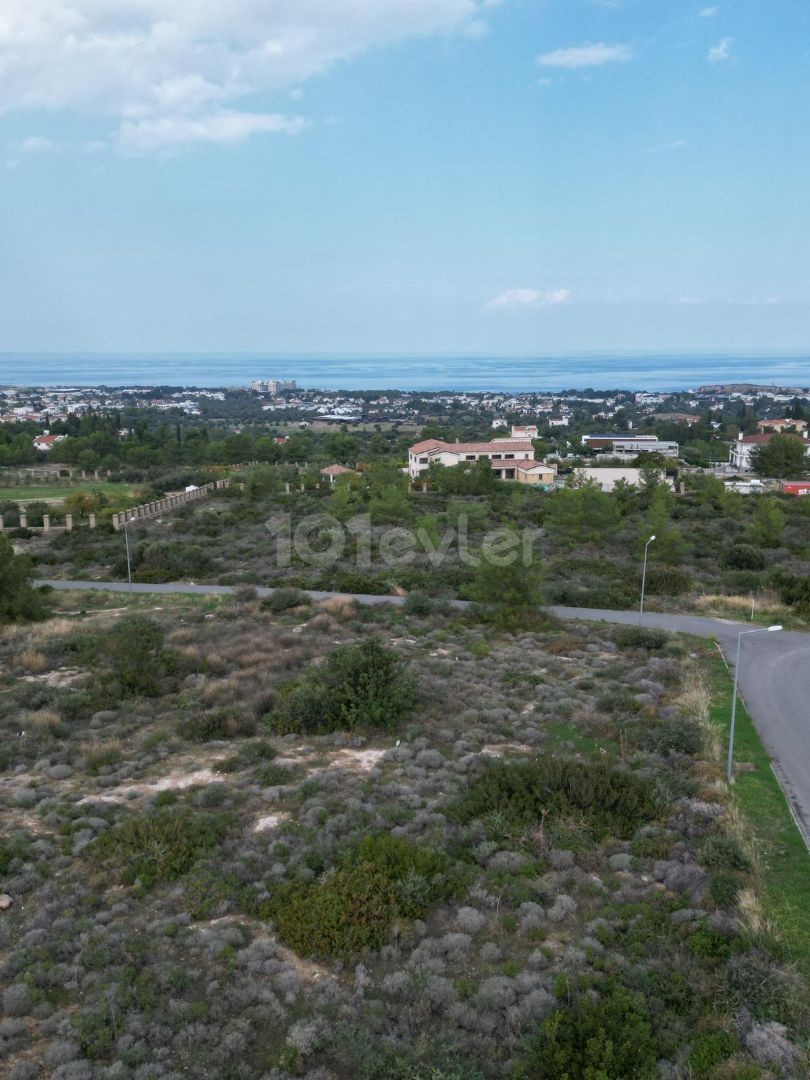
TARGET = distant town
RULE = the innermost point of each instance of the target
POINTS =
(716, 426)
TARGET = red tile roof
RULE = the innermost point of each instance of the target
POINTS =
(436, 446)
(335, 470)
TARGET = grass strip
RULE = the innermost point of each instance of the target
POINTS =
(784, 856)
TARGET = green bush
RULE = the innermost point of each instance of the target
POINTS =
(607, 1038)
(353, 908)
(667, 581)
(743, 557)
(159, 846)
(218, 724)
(19, 601)
(610, 801)
(359, 686)
(284, 600)
(724, 888)
(721, 852)
(134, 652)
(641, 637)
(710, 1050)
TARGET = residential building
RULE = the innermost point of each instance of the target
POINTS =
(779, 427)
(510, 459)
(607, 479)
(524, 431)
(743, 448)
(46, 442)
(630, 446)
(797, 488)
(558, 422)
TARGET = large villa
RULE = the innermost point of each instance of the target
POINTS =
(511, 459)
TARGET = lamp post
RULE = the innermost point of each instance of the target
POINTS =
(129, 564)
(644, 580)
(740, 636)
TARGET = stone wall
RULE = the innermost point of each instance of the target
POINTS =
(167, 504)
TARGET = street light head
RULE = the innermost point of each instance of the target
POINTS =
(651, 540)
(773, 629)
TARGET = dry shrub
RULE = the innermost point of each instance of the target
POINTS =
(41, 720)
(101, 751)
(31, 661)
(342, 608)
(221, 692)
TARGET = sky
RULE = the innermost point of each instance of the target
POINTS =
(492, 177)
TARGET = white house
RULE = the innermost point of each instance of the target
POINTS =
(47, 442)
(511, 459)
(743, 448)
(524, 431)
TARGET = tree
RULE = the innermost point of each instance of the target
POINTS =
(582, 515)
(669, 545)
(80, 503)
(509, 595)
(19, 601)
(769, 523)
(782, 457)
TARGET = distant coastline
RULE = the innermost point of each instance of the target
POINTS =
(424, 373)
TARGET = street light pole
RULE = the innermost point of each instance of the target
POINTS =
(732, 726)
(644, 580)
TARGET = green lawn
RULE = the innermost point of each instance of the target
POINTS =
(55, 491)
(784, 855)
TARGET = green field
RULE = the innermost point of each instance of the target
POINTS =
(56, 492)
(785, 860)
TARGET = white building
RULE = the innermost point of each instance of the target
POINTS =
(273, 386)
(743, 448)
(510, 459)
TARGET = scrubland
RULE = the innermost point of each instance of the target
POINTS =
(267, 839)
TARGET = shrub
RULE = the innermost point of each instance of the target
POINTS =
(721, 852)
(418, 603)
(641, 637)
(353, 908)
(159, 846)
(285, 600)
(710, 1050)
(667, 581)
(521, 793)
(359, 686)
(607, 1038)
(743, 557)
(218, 724)
(134, 651)
(18, 599)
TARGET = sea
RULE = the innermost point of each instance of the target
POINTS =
(517, 374)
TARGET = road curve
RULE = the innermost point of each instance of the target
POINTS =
(774, 677)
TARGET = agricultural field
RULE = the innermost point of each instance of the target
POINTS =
(269, 839)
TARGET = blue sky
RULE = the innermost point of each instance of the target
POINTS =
(412, 176)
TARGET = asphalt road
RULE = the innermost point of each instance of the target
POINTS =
(774, 672)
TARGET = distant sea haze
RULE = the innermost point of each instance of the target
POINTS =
(425, 373)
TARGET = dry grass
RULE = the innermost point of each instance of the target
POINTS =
(41, 720)
(101, 751)
(31, 661)
(341, 608)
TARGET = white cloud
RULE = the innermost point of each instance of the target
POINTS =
(183, 65)
(709, 12)
(583, 56)
(522, 299)
(36, 144)
(691, 301)
(145, 136)
(721, 52)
